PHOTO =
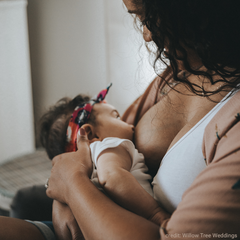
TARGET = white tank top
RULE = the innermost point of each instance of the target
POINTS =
(182, 163)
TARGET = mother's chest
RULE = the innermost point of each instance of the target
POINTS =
(165, 123)
(156, 130)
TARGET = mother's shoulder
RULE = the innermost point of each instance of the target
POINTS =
(222, 128)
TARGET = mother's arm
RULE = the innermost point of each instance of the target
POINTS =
(97, 215)
(100, 218)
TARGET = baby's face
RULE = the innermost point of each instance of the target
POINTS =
(109, 124)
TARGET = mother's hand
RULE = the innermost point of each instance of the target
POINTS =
(65, 225)
(68, 165)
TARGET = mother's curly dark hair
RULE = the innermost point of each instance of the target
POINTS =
(211, 28)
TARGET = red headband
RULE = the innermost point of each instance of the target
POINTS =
(80, 116)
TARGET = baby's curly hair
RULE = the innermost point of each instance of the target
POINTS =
(54, 123)
(208, 27)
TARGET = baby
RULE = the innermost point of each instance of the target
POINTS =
(119, 169)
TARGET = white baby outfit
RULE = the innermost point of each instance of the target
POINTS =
(138, 169)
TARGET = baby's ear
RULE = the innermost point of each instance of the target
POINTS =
(89, 129)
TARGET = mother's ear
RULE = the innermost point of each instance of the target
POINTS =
(89, 129)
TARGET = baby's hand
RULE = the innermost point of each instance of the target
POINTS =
(159, 217)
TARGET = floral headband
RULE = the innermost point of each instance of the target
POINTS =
(80, 116)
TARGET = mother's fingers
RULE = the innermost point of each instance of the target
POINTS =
(82, 138)
(68, 165)
(55, 159)
(84, 151)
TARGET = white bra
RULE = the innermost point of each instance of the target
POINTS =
(182, 163)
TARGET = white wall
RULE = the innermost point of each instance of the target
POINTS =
(79, 46)
(128, 66)
(16, 110)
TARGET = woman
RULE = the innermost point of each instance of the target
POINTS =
(193, 104)
(200, 41)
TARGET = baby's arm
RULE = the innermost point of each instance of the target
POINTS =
(113, 167)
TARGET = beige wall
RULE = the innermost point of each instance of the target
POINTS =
(79, 46)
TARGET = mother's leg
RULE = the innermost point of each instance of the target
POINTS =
(17, 229)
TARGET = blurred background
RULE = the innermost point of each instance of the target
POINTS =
(55, 48)
(51, 49)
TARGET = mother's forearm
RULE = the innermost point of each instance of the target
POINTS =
(101, 218)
